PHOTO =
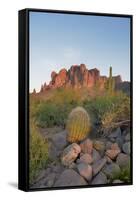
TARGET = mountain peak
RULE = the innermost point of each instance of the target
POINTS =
(76, 77)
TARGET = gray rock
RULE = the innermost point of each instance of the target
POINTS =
(96, 156)
(120, 141)
(126, 148)
(117, 181)
(111, 171)
(86, 158)
(99, 179)
(54, 153)
(123, 160)
(99, 145)
(73, 166)
(59, 140)
(108, 145)
(113, 152)
(127, 137)
(86, 146)
(70, 178)
(49, 181)
(58, 168)
(98, 165)
(46, 181)
(70, 153)
(85, 171)
(116, 133)
(109, 161)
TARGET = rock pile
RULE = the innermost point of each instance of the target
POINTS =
(90, 162)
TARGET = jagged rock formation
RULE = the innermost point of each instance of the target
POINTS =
(78, 76)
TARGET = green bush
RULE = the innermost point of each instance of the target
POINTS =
(38, 152)
(119, 112)
(104, 110)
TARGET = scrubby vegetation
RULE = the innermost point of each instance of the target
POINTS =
(38, 152)
(106, 111)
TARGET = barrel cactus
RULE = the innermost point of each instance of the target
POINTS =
(78, 125)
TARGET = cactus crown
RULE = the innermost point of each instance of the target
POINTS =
(78, 125)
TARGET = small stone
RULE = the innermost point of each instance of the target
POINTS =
(108, 145)
(127, 137)
(119, 141)
(99, 145)
(98, 165)
(72, 166)
(123, 160)
(70, 154)
(96, 156)
(109, 161)
(59, 140)
(126, 148)
(116, 133)
(86, 146)
(58, 168)
(117, 181)
(85, 171)
(99, 179)
(86, 158)
(69, 177)
(113, 152)
(111, 170)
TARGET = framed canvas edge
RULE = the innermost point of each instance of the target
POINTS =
(23, 97)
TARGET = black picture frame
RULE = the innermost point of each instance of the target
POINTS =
(23, 90)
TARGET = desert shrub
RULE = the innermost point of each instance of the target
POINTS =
(125, 175)
(107, 110)
(50, 114)
(38, 152)
(118, 113)
(98, 106)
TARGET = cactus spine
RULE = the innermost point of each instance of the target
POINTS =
(78, 125)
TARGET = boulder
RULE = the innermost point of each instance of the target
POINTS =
(69, 177)
(127, 137)
(116, 133)
(58, 168)
(98, 165)
(99, 145)
(70, 154)
(85, 171)
(86, 146)
(123, 160)
(113, 152)
(108, 145)
(49, 181)
(86, 158)
(126, 148)
(120, 141)
(59, 140)
(99, 179)
(96, 156)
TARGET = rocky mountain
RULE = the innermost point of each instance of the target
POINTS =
(79, 76)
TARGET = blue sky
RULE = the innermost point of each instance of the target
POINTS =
(61, 40)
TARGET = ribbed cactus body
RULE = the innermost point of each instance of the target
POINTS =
(78, 125)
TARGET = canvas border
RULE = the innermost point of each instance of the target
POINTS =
(23, 132)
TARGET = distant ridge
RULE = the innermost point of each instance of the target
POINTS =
(79, 76)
